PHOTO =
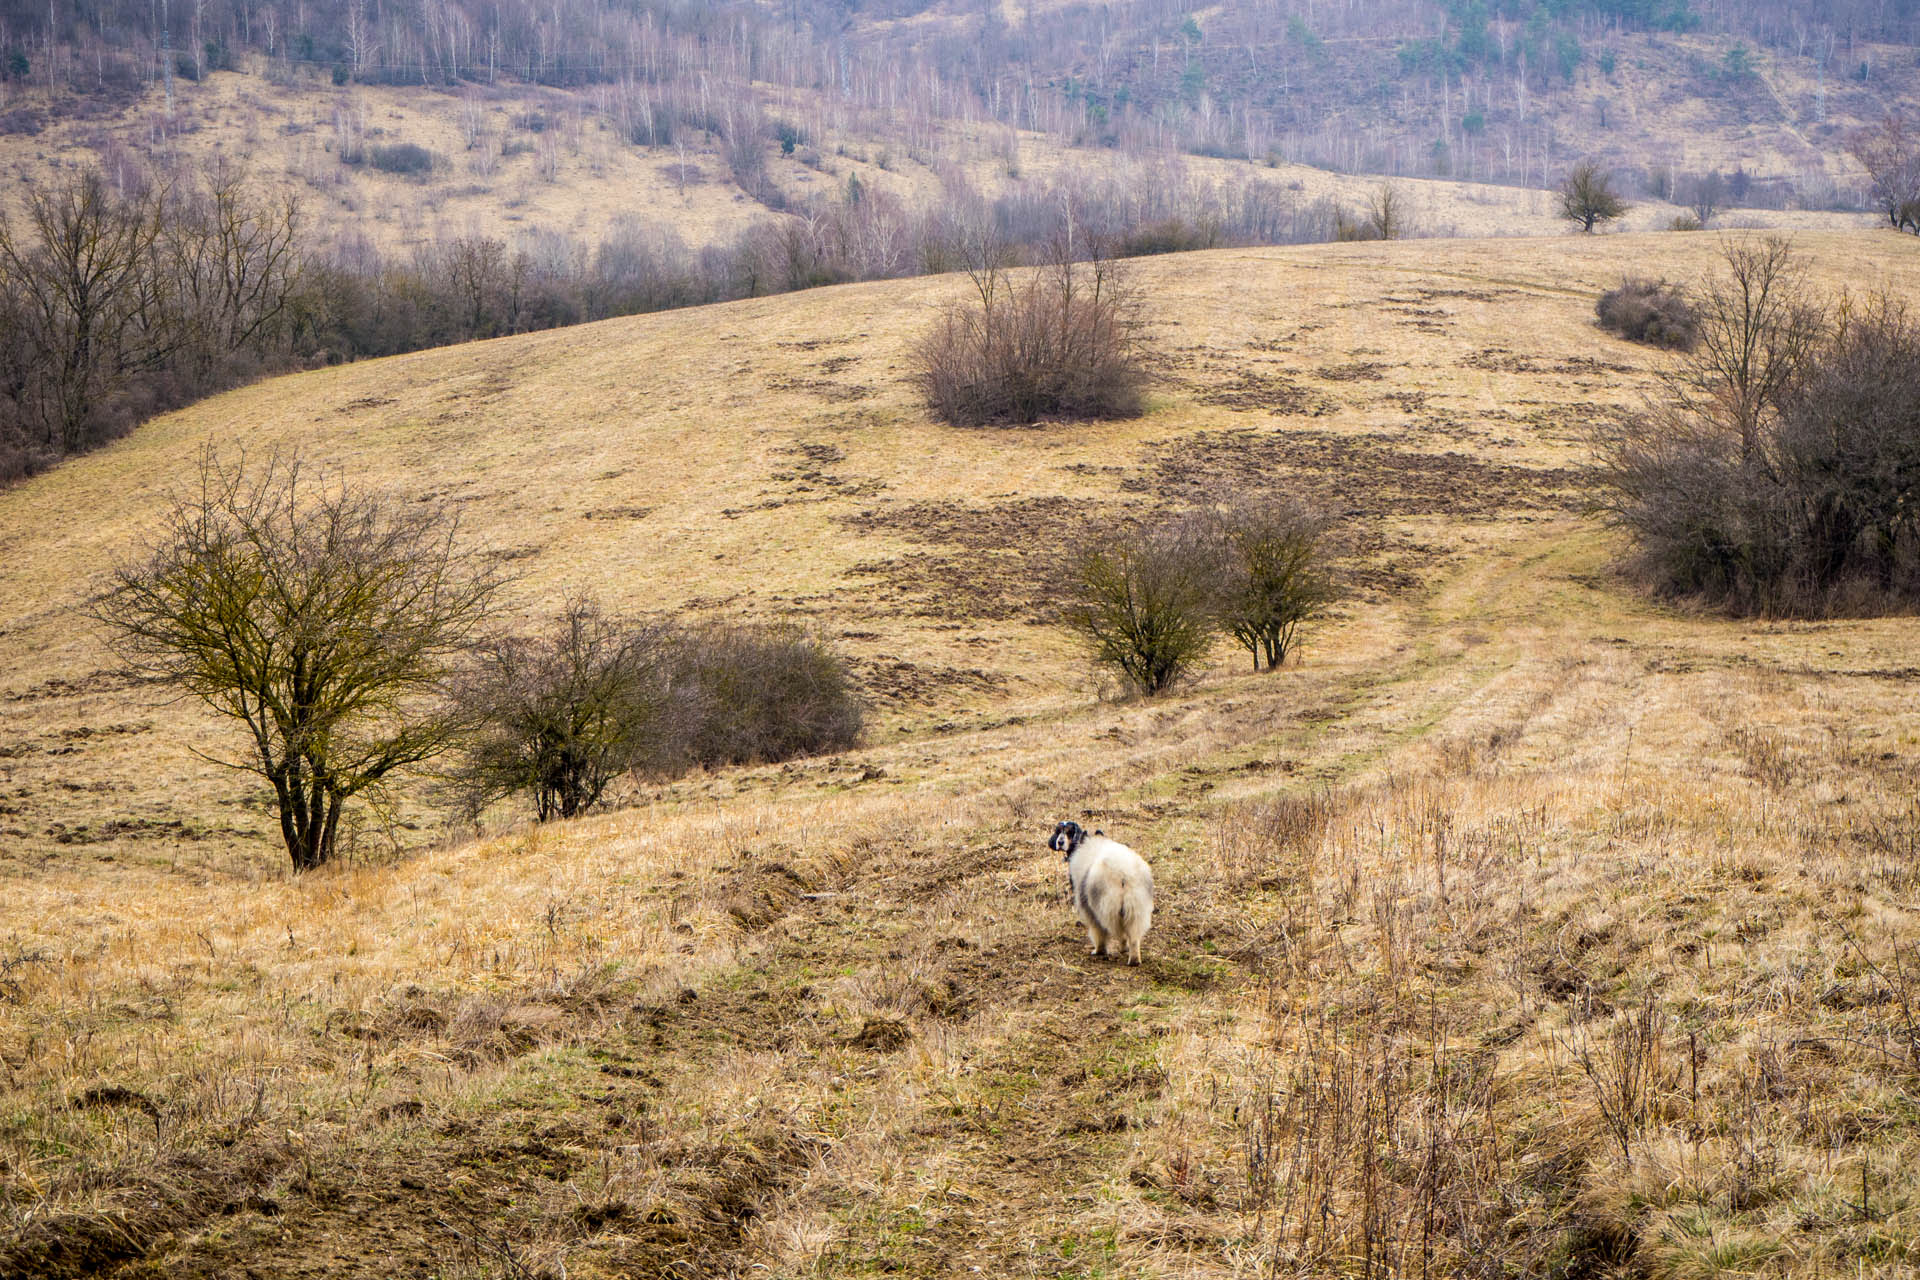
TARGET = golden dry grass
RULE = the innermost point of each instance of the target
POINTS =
(832, 1018)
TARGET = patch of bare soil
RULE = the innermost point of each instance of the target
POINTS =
(1250, 389)
(1501, 360)
(1003, 562)
(1370, 476)
(903, 683)
(827, 389)
(1357, 371)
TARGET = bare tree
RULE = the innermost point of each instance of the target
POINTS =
(1891, 153)
(78, 279)
(1388, 217)
(561, 715)
(1271, 575)
(1588, 197)
(1705, 194)
(323, 618)
(1757, 330)
(1145, 600)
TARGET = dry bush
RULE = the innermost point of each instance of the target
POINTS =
(1061, 341)
(559, 716)
(1650, 311)
(1808, 510)
(1386, 216)
(1271, 575)
(745, 694)
(1145, 600)
(406, 158)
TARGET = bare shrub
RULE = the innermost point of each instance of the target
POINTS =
(1145, 602)
(1848, 447)
(407, 158)
(559, 716)
(1890, 151)
(1758, 329)
(1270, 575)
(322, 618)
(1624, 1069)
(1387, 214)
(1789, 485)
(1059, 342)
(746, 695)
(1650, 311)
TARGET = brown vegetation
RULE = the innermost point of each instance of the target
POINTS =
(1650, 311)
(1059, 342)
(1779, 476)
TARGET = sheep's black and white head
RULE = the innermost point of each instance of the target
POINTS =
(1066, 838)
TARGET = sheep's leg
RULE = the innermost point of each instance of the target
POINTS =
(1133, 951)
(1097, 938)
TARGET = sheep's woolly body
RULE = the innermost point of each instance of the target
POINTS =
(1112, 889)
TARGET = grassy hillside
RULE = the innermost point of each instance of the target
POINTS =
(1525, 925)
(521, 162)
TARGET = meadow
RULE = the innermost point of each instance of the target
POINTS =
(1526, 926)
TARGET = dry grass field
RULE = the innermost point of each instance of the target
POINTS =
(1525, 927)
(548, 161)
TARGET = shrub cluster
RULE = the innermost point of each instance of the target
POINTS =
(1811, 506)
(1650, 311)
(558, 717)
(1150, 603)
(406, 158)
(1060, 343)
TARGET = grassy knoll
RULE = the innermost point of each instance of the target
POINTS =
(1525, 926)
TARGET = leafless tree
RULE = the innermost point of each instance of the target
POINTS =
(1144, 601)
(1388, 217)
(78, 279)
(1271, 575)
(559, 716)
(1705, 194)
(1757, 330)
(322, 617)
(1588, 196)
(1890, 151)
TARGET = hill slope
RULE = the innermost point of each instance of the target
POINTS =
(1525, 922)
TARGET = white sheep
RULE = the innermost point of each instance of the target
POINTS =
(1112, 888)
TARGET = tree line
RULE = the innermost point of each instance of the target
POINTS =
(118, 302)
(1440, 86)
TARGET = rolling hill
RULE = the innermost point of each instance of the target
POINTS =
(1525, 926)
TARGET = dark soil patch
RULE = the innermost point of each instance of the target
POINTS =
(826, 389)
(1501, 360)
(1358, 371)
(1006, 560)
(882, 1035)
(1249, 389)
(1368, 476)
(902, 683)
(92, 682)
(757, 896)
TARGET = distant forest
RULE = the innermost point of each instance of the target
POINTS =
(1400, 86)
